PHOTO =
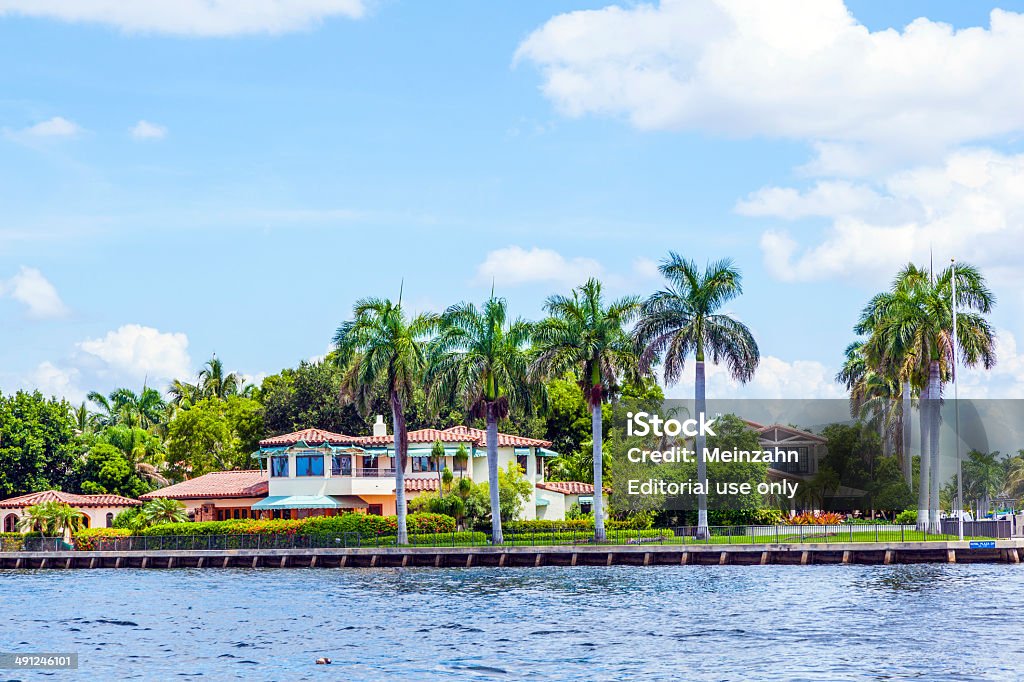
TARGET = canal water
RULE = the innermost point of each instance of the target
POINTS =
(919, 622)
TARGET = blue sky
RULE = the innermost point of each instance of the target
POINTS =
(183, 181)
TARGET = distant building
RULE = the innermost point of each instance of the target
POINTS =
(315, 472)
(555, 498)
(218, 495)
(98, 510)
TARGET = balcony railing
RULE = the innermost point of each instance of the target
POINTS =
(375, 473)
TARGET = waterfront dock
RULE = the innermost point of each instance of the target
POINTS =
(1004, 551)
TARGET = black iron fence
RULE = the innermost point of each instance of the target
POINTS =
(682, 535)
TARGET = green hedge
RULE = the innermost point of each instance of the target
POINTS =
(585, 524)
(438, 539)
(85, 539)
(367, 525)
(561, 537)
(11, 542)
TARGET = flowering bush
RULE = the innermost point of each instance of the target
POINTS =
(815, 519)
(366, 525)
(11, 542)
(87, 539)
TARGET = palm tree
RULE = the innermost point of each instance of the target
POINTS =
(183, 394)
(108, 414)
(214, 383)
(384, 353)
(52, 518)
(985, 475)
(479, 359)
(684, 319)
(916, 325)
(140, 448)
(144, 409)
(162, 510)
(84, 420)
(586, 336)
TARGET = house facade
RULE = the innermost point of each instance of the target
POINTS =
(315, 472)
(218, 495)
(98, 511)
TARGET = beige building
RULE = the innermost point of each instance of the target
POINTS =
(218, 495)
(98, 510)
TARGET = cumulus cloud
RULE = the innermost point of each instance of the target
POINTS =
(36, 292)
(970, 206)
(775, 378)
(1005, 380)
(191, 17)
(58, 126)
(515, 265)
(52, 380)
(798, 69)
(144, 130)
(137, 352)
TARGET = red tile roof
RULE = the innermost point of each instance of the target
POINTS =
(69, 498)
(311, 437)
(570, 487)
(419, 485)
(215, 485)
(457, 434)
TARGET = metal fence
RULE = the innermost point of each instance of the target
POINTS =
(682, 535)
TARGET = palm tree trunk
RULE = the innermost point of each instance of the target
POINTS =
(924, 468)
(887, 442)
(934, 421)
(492, 474)
(908, 469)
(596, 429)
(702, 467)
(401, 447)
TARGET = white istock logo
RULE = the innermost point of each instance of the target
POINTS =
(645, 424)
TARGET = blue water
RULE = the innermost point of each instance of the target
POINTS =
(920, 622)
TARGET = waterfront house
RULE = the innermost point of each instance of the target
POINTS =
(218, 495)
(555, 498)
(315, 472)
(98, 511)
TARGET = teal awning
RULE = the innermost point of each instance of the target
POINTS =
(587, 500)
(542, 502)
(297, 502)
(544, 452)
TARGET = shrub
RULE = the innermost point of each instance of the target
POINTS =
(815, 519)
(437, 539)
(540, 525)
(87, 539)
(366, 525)
(11, 542)
(907, 516)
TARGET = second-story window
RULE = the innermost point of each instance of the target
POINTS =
(424, 464)
(522, 461)
(341, 465)
(279, 466)
(309, 465)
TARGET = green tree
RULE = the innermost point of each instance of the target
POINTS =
(513, 491)
(38, 448)
(162, 510)
(684, 319)
(479, 360)
(214, 435)
(383, 353)
(586, 336)
(52, 519)
(306, 396)
(214, 382)
(107, 470)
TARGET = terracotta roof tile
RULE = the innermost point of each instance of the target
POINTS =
(570, 487)
(69, 498)
(419, 485)
(216, 484)
(311, 437)
(457, 434)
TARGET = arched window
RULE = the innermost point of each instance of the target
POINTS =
(86, 521)
(110, 519)
(11, 523)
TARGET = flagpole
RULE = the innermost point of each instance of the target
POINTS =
(956, 409)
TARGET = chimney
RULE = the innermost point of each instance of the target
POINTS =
(379, 427)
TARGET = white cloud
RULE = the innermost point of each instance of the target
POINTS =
(31, 288)
(646, 268)
(1005, 380)
(58, 126)
(515, 265)
(138, 352)
(191, 17)
(774, 378)
(52, 380)
(144, 130)
(970, 206)
(798, 69)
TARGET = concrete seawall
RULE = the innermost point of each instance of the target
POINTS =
(1005, 551)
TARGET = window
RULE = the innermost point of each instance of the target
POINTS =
(279, 466)
(341, 465)
(424, 464)
(377, 509)
(459, 465)
(586, 507)
(110, 520)
(522, 461)
(309, 465)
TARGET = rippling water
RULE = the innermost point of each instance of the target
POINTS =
(920, 622)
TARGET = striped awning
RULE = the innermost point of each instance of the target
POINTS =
(299, 502)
